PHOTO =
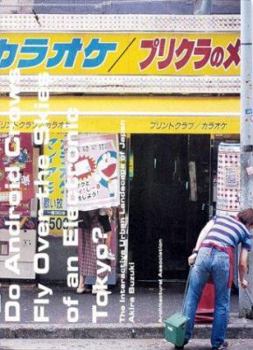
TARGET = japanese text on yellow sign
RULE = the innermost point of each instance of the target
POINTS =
(121, 54)
(137, 124)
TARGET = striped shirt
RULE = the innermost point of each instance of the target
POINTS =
(228, 232)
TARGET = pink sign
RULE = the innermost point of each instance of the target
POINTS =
(24, 161)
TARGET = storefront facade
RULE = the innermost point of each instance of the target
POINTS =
(168, 84)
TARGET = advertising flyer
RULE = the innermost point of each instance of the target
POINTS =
(113, 157)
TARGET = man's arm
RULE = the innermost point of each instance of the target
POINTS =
(243, 267)
(202, 236)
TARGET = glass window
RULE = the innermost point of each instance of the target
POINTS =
(177, 7)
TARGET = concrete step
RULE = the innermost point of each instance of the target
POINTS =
(238, 328)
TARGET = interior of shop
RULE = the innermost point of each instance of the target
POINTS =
(172, 196)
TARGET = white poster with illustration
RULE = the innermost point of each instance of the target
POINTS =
(97, 170)
(228, 179)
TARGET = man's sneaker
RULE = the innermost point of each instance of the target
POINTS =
(223, 346)
(181, 347)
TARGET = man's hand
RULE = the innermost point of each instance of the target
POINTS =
(192, 258)
(244, 283)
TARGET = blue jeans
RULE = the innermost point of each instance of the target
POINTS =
(214, 263)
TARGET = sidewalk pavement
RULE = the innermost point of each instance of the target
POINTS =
(147, 304)
(146, 311)
(113, 344)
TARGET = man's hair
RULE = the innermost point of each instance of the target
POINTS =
(246, 216)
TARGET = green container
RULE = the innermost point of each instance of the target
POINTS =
(175, 329)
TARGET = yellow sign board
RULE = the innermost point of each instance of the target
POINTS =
(136, 125)
(161, 53)
(136, 114)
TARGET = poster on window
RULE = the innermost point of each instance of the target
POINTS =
(97, 170)
(228, 179)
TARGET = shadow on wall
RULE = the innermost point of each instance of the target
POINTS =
(177, 7)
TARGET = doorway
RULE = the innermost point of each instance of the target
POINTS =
(169, 201)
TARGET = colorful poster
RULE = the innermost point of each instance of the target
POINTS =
(24, 162)
(53, 204)
(55, 152)
(144, 249)
(97, 170)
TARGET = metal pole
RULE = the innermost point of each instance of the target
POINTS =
(246, 195)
